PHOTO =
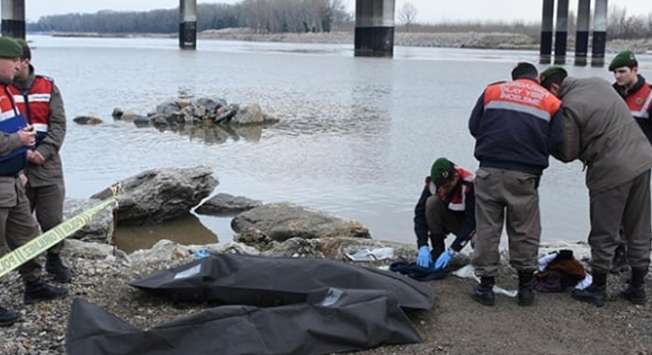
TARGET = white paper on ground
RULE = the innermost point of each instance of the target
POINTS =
(467, 272)
(371, 255)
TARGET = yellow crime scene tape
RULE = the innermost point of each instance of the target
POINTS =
(45, 241)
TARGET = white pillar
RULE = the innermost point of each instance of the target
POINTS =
(374, 28)
(188, 24)
(13, 18)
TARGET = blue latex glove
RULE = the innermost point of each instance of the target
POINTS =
(424, 259)
(203, 253)
(444, 259)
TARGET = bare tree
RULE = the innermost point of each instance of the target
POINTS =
(407, 15)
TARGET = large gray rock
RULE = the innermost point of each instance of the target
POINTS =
(158, 195)
(252, 114)
(224, 204)
(282, 221)
(100, 229)
(94, 251)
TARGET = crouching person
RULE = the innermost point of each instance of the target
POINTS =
(447, 205)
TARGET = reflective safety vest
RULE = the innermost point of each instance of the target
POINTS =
(523, 96)
(458, 200)
(640, 102)
(10, 122)
(35, 104)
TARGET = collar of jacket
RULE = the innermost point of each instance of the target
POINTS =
(624, 92)
(26, 84)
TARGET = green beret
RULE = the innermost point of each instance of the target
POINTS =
(442, 171)
(9, 48)
(623, 59)
(550, 71)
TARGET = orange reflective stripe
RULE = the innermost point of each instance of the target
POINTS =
(640, 102)
(524, 93)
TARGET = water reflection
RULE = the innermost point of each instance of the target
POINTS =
(183, 230)
(209, 132)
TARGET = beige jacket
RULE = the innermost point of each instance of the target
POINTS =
(599, 131)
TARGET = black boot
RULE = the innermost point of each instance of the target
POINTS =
(634, 291)
(620, 258)
(596, 293)
(8, 317)
(55, 266)
(38, 290)
(484, 293)
(438, 246)
(525, 288)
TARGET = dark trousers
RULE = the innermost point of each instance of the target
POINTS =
(47, 202)
(441, 221)
(627, 205)
(511, 196)
(17, 227)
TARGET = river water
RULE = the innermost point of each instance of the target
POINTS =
(357, 135)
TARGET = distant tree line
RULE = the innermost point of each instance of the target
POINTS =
(622, 26)
(277, 16)
(260, 15)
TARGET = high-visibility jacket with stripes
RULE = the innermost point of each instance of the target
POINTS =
(35, 104)
(640, 102)
(516, 125)
(11, 121)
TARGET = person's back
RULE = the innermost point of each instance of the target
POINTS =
(610, 143)
(511, 125)
(599, 130)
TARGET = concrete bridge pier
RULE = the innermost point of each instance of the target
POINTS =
(545, 50)
(374, 28)
(599, 33)
(13, 18)
(188, 24)
(582, 35)
(561, 32)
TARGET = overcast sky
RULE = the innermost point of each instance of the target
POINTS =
(428, 10)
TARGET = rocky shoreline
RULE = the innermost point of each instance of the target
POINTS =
(455, 325)
(102, 275)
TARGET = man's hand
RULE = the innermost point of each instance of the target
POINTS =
(27, 136)
(424, 259)
(444, 259)
(23, 179)
(35, 157)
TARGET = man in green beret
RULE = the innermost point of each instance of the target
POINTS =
(599, 131)
(40, 100)
(637, 94)
(446, 205)
(17, 225)
(516, 124)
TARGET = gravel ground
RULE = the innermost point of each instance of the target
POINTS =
(556, 324)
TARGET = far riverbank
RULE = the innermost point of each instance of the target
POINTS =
(476, 40)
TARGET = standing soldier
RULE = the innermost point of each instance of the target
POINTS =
(637, 94)
(599, 131)
(17, 225)
(39, 100)
(516, 125)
